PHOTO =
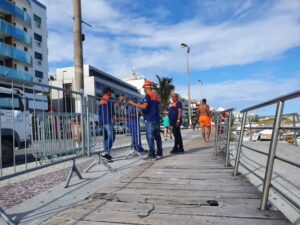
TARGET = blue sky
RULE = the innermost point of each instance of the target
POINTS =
(244, 51)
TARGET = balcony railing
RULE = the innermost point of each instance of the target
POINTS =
(19, 13)
(10, 30)
(12, 73)
(11, 52)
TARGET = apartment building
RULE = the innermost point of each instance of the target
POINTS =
(23, 40)
(95, 80)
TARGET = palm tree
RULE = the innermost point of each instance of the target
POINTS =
(164, 90)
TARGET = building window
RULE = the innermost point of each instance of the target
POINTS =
(38, 37)
(24, 9)
(14, 23)
(1, 63)
(26, 68)
(38, 56)
(39, 74)
(25, 49)
(15, 45)
(25, 29)
(15, 66)
(38, 20)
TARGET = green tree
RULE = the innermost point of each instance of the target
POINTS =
(164, 90)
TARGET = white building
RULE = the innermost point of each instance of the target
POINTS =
(95, 81)
(23, 40)
(136, 81)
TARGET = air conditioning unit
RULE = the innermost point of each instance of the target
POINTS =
(39, 44)
(38, 62)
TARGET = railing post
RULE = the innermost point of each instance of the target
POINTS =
(216, 134)
(6, 218)
(271, 156)
(295, 133)
(88, 126)
(228, 138)
(83, 123)
(238, 151)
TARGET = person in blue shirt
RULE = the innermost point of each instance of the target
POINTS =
(134, 126)
(106, 112)
(151, 115)
(175, 117)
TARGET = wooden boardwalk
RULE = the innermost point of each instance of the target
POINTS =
(174, 190)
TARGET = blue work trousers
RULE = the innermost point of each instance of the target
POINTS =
(153, 133)
(108, 137)
(134, 128)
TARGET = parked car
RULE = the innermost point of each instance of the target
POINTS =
(264, 134)
(121, 128)
(15, 122)
(97, 129)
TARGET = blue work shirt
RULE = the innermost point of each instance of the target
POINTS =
(106, 111)
(151, 113)
(173, 112)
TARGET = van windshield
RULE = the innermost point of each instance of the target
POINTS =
(9, 102)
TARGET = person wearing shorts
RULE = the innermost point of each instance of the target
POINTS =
(204, 119)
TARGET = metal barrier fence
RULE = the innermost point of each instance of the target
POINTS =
(44, 125)
(125, 120)
(35, 130)
(223, 124)
(276, 128)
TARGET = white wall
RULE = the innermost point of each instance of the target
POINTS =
(43, 48)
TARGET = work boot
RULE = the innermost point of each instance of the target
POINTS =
(181, 150)
(174, 150)
(107, 157)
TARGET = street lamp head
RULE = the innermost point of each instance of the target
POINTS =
(184, 45)
(200, 81)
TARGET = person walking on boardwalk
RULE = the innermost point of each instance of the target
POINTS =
(134, 126)
(166, 123)
(204, 115)
(106, 112)
(175, 116)
(151, 114)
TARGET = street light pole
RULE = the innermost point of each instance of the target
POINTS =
(201, 83)
(183, 45)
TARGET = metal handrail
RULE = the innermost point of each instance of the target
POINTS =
(225, 129)
(255, 150)
(286, 97)
(288, 161)
(273, 143)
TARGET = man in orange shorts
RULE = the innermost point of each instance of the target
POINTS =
(204, 119)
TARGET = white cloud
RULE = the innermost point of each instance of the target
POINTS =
(117, 41)
(241, 93)
(155, 47)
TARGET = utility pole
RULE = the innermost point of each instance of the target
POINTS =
(80, 103)
(78, 53)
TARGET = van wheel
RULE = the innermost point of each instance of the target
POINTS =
(7, 152)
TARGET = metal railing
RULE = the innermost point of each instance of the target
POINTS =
(271, 155)
(223, 124)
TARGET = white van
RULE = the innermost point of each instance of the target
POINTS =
(15, 123)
